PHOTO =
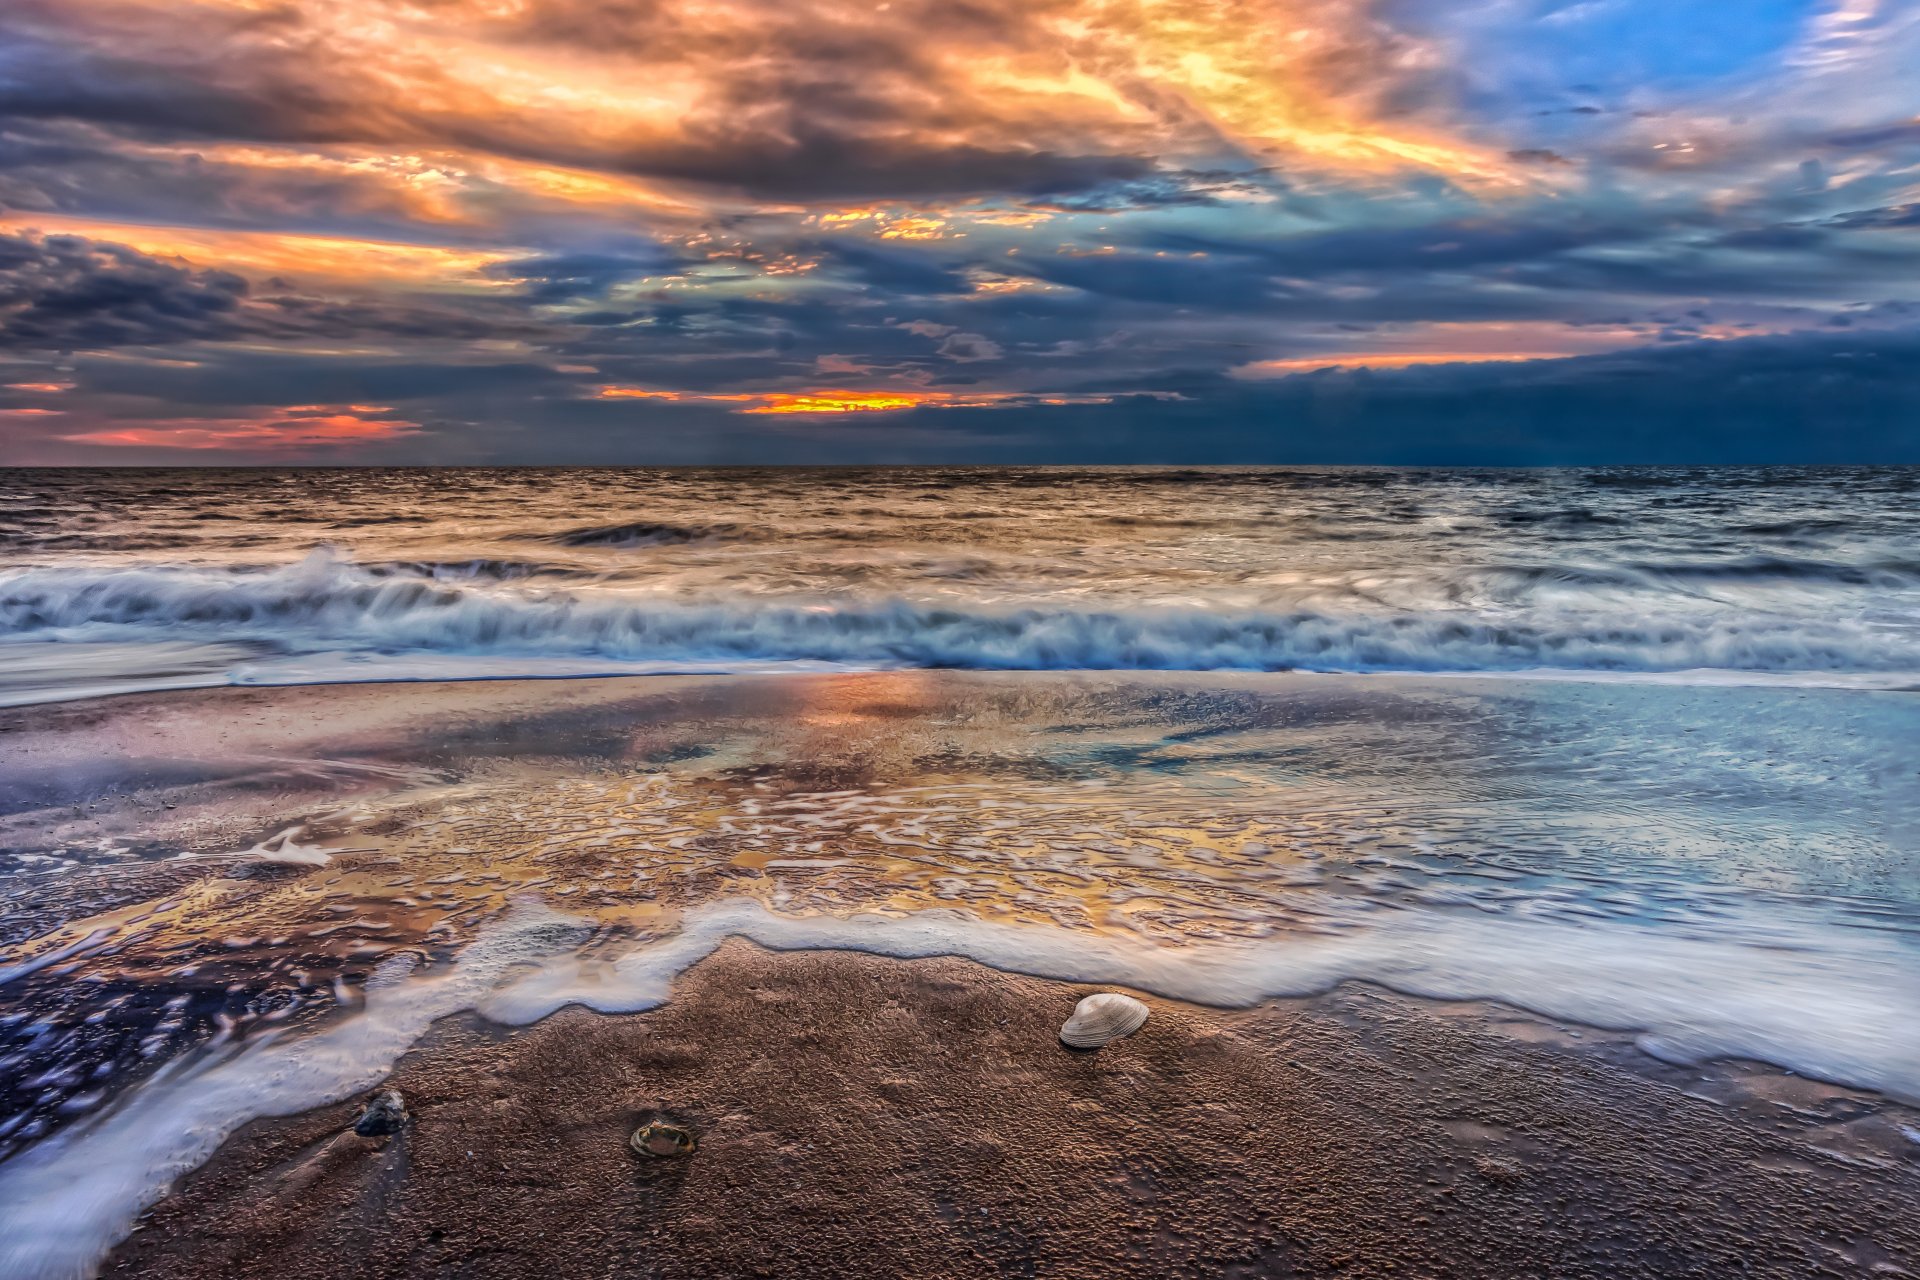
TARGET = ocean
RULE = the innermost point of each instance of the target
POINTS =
(1632, 749)
(121, 580)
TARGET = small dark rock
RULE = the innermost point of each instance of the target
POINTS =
(1499, 1171)
(384, 1115)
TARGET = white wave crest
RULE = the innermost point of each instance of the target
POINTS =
(324, 604)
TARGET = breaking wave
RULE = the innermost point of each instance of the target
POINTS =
(647, 534)
(324, 604)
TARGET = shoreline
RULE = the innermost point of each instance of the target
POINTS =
(870, 799)
(189, 1121)
(423, 671)
(866, 1116)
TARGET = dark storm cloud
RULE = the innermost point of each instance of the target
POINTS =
(69, 293)
(1163, 190)
(1899, 215)
(1439, 271)
(1796, 398)
(63, 167)
(567, 277)
(1569, 259)
(253, 377)
(1802, 398)
(1425, 247)
(119, 66)
(1162, 281)
(1784, 238)
(1833, 396)
(891, 271)
(63, 292)
(799, 110)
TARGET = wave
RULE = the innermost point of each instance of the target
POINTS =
(650, 534)
(477, 569)
(1762, 568)
(324, 604)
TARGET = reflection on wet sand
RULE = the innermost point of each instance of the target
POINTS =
(1219, 838)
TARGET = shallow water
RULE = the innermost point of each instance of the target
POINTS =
(150, 579)
(1633, 748)
(1726, 870)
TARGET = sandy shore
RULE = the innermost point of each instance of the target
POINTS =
(860, 1116)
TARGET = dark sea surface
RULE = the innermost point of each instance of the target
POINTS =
(167, 578)
(1634, 749)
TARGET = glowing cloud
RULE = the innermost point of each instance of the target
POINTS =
(304, 430)
(799, 215)
(840, 401)
(1496, 342)
(289, 256)
(848, 402)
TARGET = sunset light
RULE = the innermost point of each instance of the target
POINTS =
(959, 639)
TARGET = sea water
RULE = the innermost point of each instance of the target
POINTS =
(152, 579)
(1627, 748)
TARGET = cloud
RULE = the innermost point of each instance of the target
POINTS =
(894, 271)
(1889, 218)
(69, 293)
(303, 430)
(569, 277)
(63, 293)
(965, 348)
(482, 211)
(1797, 398)
(811, 101)
(838, 401)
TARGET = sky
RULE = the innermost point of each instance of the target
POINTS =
(1486, 232)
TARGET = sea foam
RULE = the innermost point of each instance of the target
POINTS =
(1840, 1006)
(325, 605)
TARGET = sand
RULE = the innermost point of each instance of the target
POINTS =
(865, 1116)
(861, 1116)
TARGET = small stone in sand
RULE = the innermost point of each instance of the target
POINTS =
(1500, 1172)
(658, 1138)
(384, 1115)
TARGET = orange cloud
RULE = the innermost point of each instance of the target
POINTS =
(1459, 342)
(851, 402)
(318, 259)
(296, 431)
(802, 401)
(842, 401)
(890, 225)
(648, 393)
(724, 94)
(1387, 360)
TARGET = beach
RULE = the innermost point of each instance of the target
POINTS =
(899, 640)
(1447, 977)
(859, 1116)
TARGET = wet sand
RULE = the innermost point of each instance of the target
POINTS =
(861, 1116)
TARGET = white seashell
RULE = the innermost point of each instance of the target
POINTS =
(1100, 1018)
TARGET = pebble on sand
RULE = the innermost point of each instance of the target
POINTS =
(658, 1138)
(384, 1115)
